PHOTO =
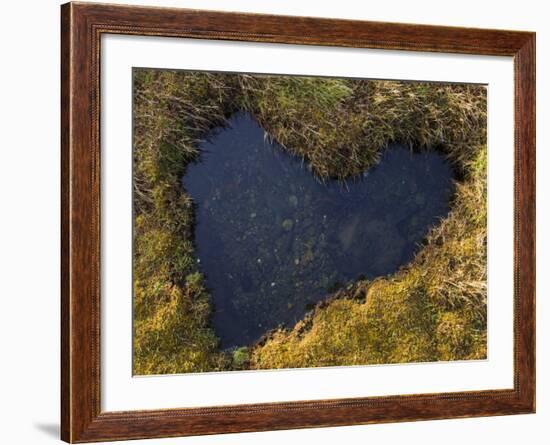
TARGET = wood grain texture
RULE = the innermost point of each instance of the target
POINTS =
(82, 26)
(65, 227)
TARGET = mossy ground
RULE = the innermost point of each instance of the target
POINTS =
(432, 309)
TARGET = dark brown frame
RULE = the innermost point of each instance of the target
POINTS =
(82, 25)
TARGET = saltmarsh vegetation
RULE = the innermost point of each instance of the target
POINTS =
(432, 309)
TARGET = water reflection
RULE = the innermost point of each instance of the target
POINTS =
(272, 240)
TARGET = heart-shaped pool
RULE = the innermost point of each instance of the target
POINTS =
(273, 240)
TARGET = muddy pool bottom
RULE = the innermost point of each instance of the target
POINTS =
(272, 240)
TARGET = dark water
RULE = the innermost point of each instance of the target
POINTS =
(272, 240)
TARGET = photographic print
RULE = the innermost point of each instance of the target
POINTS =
(294, 222)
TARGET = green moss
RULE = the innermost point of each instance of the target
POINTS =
(241, 358)
(433, 309)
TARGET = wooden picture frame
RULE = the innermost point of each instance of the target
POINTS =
(82, 25)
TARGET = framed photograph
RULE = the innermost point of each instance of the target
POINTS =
(274, 222)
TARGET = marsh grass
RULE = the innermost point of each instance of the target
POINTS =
(432, 309)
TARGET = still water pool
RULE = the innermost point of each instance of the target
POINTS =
(272, 240)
